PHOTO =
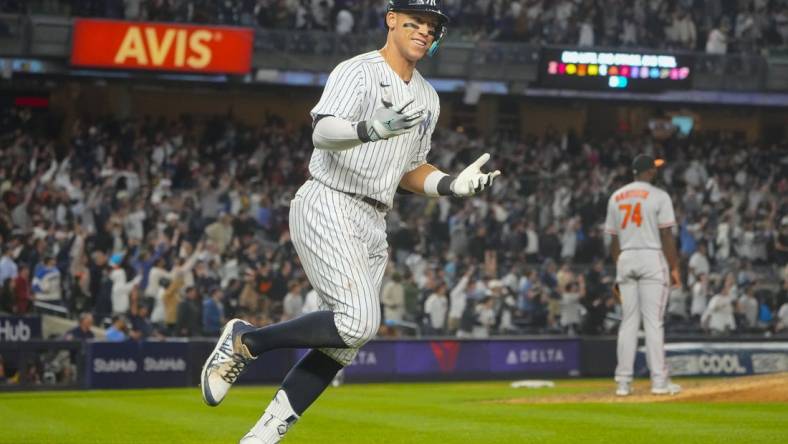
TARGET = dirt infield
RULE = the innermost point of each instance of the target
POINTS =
(767, 388)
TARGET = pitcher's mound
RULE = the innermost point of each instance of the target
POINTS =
(765, 388)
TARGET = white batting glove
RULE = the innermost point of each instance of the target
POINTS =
(471, 180)
(391, 120)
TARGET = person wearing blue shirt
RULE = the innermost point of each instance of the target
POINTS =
(117, 331)
(213, 313)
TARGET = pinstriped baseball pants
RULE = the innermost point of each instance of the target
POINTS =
(341, 242)
(643, 279)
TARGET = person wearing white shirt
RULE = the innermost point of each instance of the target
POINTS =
(698, 264)
(747, 308)
(782, 318)
(717, 42)
(718, 317)
(459, 300)
(155, 276)
(436, 307)
(311, 302)
(571, 308)
(677, 304)
(532, 247)
(485, 318)
(393, 299)
(293, 302)
(700, 291)
(121, 288)
(345, 22)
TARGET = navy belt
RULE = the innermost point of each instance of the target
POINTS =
(376, 204)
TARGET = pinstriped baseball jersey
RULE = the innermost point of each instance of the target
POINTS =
(636, 212)
(354, 90)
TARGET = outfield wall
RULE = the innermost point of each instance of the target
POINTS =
(177, 363)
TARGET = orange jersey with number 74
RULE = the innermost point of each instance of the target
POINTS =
(636, 212)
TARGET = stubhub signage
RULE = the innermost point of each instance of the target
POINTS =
(19, 328)
(136, 364)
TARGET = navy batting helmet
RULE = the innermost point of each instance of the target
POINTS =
(429, 6)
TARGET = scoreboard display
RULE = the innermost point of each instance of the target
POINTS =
(606, 70)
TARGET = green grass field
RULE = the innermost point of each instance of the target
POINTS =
(443, 413)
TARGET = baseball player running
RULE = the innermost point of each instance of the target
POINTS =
(372, 131)
(640, 217)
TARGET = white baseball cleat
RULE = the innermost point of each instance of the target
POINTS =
(275, 422)
(668, 388)
(227, 361)
(624, 389)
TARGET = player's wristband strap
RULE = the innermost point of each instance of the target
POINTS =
(438, 183)
(361, 129)
(365, 132)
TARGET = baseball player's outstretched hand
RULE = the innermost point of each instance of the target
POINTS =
(391, 120)
(471, 180)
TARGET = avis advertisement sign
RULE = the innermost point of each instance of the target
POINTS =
(136, 364)
(161, 46)
(19, 328)
(721, 359)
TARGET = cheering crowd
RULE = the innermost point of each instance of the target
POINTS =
(168, 228)
(716, 26)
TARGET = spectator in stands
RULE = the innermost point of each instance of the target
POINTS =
(698, 264)
(220, 233)
(121, 288)
(141, 327)
(571, 307)
(118, 331)
(46, 281)
(293, 303)
(189, 321)
(700, 294)
(459, 299)
(436, 308)
(717, 42)
(484, 319)
(718, 318)
(747, 308)
(22, 297)
(781, 242)
(157, 274)
(213, 313)
(506, 307)
(83, 331)
(598, 283)
(781, 326)
(344, 21)
(393, 299)
(8, 267)
(677, 304)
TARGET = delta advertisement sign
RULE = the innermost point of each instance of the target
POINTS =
(720, 358)
(161, 46)
(415, 359)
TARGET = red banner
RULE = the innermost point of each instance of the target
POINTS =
(161, 46)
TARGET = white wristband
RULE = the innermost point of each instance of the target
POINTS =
(431, 183)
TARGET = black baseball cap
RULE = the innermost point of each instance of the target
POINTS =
(645, 162)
